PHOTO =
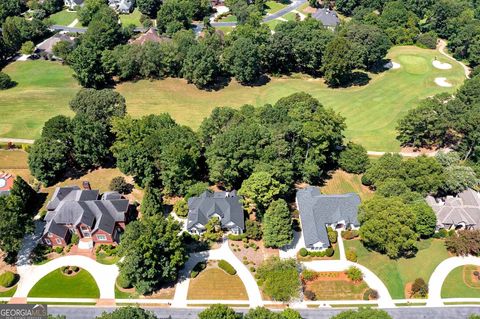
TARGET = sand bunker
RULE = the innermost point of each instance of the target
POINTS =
(392, 65)
(442, 66)
(443, 82)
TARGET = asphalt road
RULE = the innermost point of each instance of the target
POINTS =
(169, 313)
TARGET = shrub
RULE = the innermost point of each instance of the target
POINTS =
(181, 208)
(5, 81)
(442, 233)
(252, 269)
(119, 184)
(75, 269)
(236, 237)
(227, 267)
(354, 159)
(253, 230)
(370, 294)
(351, 255)
(197, 269)
(466, 242)
(124, 282)
(309, 275)
(65, 269)
(27, 48)
(329, 252)
(349, 234)
(303, 252)
(427, 40)
(420, 287)
(58, 249)
(310, 295)
(354, 274)
(332, 236)
(7, 279)
(75, 239)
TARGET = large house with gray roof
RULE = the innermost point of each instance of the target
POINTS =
(329, 18)
(459, 212)
(72, 4)
(224, 205)
(85, 213)
(318, 211)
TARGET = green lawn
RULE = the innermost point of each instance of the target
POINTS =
(459, 284)
(124, 295)
(291, 16)
(274, 6)
(57, 285)
(132, 18)
(63, 17)
(103, 258)
(273, 23)
(397, 273)
(336, 289)
(342, 182)
(371, 111)
(8, 293)
(229, 18)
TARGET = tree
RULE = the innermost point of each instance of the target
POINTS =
(464, 242)
(128, 312)
(27, 47)
(86, 62)
(120, 185)
(152, 203)
(347, 6)
(339, 62)
(104, 31)
(62, 49)
(289, 313)
(253, 230)
(174, 15)
(354, 159)
(261, 313)
(423, 174)
(152, 251)
(242, 60)
(99, 105)
(59, 128)
(387, 166)
(9, 8)
(260, 190)
(419, 287)
(213, 230)
(363, 313)
(16, 215)
(219, 312)
(47, 160)
(391, 187)
(149, 7)
(91, 142)
(201, 65)
(89, 9)
(279, 278)
(354, 274)
(277, 225)
(458, 178)
(388, 226)
(5, 81)
(196, 190)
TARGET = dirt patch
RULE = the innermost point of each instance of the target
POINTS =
(333, 286)
(166, 292)
(309, 10)
(6, 267)
(407, 292)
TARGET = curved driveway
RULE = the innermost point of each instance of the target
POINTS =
(384, 300)
(224, 252)
(440, 274)
(104, 275)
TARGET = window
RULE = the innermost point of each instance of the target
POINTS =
(50, 235)
(48, 242)
(58, 240)
(101, 237)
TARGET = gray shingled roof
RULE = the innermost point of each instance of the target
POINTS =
(317, 210)
(226, 205)
(75, 206)
(328, 17)
(465, 208)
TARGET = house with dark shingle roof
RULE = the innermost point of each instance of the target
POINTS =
(224, 205)
(329, 18)
(71, 4)
(318, 211)
(459, 212)
(83, 212)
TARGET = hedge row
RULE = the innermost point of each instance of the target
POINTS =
(227, 267)
(324, 253)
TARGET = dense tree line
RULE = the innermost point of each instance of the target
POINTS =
(447, 121)
(17, 210)
(78, 143)
(421, 21)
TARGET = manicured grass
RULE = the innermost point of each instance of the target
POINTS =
(340, 289)
(214, 283)
(43, 91)
(342, 182)
(225, 30)
(63, 17)
(15, 162)
(395, 274)
(57, 285)
(230, 18)
(124, 295)
(103, 258)
(371, 111)
(8, 293)
(460, 284)
(132, 18)
(274, 6)
(291, 16)
(273, 23)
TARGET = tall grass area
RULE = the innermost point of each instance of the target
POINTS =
(371, 111)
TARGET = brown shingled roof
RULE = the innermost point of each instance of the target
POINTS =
(150, 36)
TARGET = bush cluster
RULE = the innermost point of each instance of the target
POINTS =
(324, 253)
(237, 237)
(123, 282)
(227, 267)
(109, 250)
(351, 255)
(7, 279)
(197, 269)
(309, 275)
(349, 234)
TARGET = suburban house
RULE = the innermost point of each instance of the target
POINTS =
(224, 205)
(71, 4)
(318, 211)
(47, 45)
(150, 36)
(121, 6)
(328, 17)
(459, 212)
(6, 183)
(84, 212)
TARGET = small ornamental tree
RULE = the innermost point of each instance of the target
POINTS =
(354, 274)
(354, 159)
(27, 48)
(119, 184)
(5, 81)
(279, 278)
(464, 242)
(420, 287)
(218, 312)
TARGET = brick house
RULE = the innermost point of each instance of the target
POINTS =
(85, 213)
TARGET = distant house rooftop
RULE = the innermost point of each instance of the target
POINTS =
(328, 17)
(150, 36)
(460, 211)
(47, 45)
(317, 211)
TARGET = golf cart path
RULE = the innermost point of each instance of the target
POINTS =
(441, 48)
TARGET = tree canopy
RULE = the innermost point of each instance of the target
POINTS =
(277, 225)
